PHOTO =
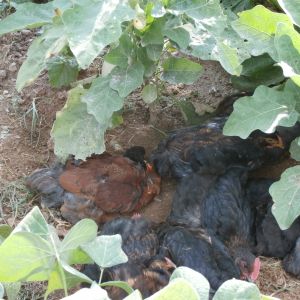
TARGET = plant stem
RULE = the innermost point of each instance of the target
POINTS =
(60, 269)
(101, 274)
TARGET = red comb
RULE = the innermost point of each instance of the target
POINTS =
(256, 269)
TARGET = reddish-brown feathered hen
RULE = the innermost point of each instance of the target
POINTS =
(102, 187)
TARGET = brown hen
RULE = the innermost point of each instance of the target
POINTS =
(100, 188)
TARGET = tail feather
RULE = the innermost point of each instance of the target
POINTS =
(45, 182)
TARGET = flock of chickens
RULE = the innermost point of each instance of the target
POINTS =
(220, 220)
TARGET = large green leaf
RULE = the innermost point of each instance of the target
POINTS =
(295, 149)
(197, 280)
(286, 195)
(102, 101)
(209, 13)
(69, 129)
(72, 278)
(229, 59)
(126, 80)
(120, 284)
(106, 250)
(82, 232)
(27, 15)
(62, 70)
(258, 26)
(181, 70)
(292, 9)
(12, 289)
(265, 110)
(25, 257)
(49, 44)
(121, 55)
(237, 289)
(93, 26)
(177, 289)
(154, 35)
(136, 295)
(287, 44)
(292, 88)
(34, 222)
(258, 70)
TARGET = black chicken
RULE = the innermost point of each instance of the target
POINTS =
(218, 204)
(100, 188)
(204, 148)
(145, 270)
(270, 239)
(291, 262)
(201, 252)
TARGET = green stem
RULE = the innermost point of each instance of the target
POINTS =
(61, 271)
(101, 274)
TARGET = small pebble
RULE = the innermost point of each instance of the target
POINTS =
(12, 67)
(5, 92)
(26, 31)
(3, 74)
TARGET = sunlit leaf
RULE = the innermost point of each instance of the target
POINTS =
(25, 256)
(292, 9)
(265, 110)
(121, 284)
(93, 293)
(72, 278)
(27, 15)
(295, 149)
(258, 26)
(106, 250)
(286, 195)
(91, 27)
(136, 295)
(197, 280)
(12, 289)
(69, 129)
(237, 289)
(49, 44)
(82, 232)
(34, 222)
(287, 45)
(177, 289)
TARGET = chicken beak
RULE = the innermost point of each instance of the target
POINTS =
(170, 264)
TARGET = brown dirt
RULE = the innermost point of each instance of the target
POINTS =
(25, 147)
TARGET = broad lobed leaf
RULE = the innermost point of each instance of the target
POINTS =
(286, 195)
(69, 129)
(101, 26)
(265, 110)
(106, 250)
(27, 15)
(49, 44)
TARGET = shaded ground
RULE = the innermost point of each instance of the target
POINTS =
(25, 123)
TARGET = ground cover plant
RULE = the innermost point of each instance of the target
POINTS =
(140, 41)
